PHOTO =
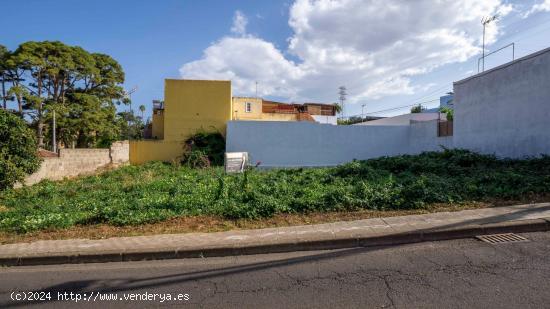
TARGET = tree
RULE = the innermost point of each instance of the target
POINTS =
(3, 77)
(142, 110)
(18, 151)
(131, 127)
(81, 87)
(417, 109)
(449, 112)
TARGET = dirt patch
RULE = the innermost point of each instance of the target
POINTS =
(207, 224)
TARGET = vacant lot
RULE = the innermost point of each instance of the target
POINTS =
(136, 195)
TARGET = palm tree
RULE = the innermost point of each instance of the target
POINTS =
(142, 109)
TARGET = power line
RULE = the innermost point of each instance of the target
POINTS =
(395, 108)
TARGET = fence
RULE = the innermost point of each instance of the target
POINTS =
(294, 144)
(445, 128)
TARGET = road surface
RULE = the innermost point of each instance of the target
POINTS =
(463, 273)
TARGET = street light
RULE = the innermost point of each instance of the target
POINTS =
(485, 21)
(362, 112)
(54, 141)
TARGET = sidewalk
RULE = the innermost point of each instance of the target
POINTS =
(361, 233)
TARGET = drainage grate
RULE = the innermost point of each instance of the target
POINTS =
(501, 238)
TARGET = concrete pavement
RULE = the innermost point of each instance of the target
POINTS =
(360, 233)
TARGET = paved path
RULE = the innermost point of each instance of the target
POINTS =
(464, 273)
(369, 232)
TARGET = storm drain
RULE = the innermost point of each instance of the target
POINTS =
(501, 238)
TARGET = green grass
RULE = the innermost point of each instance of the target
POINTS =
(143, 194)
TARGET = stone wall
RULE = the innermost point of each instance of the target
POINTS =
(74, 162)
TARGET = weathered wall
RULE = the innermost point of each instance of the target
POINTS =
(120, 152)
(506, 110)
(74, 162)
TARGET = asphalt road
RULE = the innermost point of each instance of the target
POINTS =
(448, 274)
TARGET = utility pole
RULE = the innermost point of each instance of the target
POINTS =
(485, 21)
(342, 92)
(4, 90)
(363, 112)
(256, 89)
(128, 95)
(54, 141)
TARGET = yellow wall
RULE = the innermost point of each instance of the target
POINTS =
(154, 150)
(279, 117)
(157, 130)
(239, 111)
(191, 105)
(239, 108)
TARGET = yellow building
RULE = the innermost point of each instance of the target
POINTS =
(193, 105)
(249, 108)
(189, 106)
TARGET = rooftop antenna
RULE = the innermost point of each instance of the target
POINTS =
(128, 94)
(485, 21)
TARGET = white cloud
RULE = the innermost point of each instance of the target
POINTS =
(543, 6)
(372, 47)
(239, 23)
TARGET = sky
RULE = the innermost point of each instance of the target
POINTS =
(388, 54)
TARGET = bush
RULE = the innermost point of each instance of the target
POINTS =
(18, 150)
(155, 191)
(204, 149)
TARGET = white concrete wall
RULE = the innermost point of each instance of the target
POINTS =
(423, 137)
(325, 119)
(506, 110)
(293, 144)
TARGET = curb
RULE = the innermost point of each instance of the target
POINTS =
(415, 236)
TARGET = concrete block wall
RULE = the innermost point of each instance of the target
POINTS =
(74, 162)
(120, 152)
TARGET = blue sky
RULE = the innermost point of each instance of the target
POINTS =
(297, 51)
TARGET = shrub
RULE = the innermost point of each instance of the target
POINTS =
(449, 112)
(155, 191)
(18, 150)
(204, 149)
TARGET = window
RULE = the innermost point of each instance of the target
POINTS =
(248, 107)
